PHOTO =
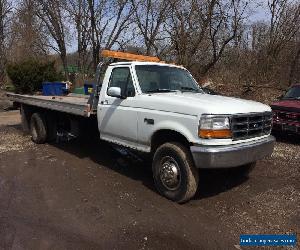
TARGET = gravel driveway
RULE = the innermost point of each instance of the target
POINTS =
(88, 196)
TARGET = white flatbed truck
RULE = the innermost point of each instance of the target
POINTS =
(159, 109)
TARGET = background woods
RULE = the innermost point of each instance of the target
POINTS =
(225, 41)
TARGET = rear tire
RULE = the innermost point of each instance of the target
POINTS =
(174, 172)
(38, 128)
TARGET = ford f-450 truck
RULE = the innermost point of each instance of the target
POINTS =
(159, 109)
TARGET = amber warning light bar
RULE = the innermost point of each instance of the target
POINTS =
(129, 56)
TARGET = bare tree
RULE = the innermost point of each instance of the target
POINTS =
(201, 30)
(189, 26)
(79, 14)
(28, 36)
(149, 16)
(108, 18)
(284, 30)
(52, 14)
(5, 11)
(284, 24)
(224, 27)
(294, 74)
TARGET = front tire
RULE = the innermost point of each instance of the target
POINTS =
(174, 172)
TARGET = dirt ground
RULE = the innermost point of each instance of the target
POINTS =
(88, 196)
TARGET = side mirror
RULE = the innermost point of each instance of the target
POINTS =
(114, 92)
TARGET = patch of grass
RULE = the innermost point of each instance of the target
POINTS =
(9, 88)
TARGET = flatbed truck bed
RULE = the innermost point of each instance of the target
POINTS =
(72, 104)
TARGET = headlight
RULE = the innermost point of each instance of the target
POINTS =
(214, 126)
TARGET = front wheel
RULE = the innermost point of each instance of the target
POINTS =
(174, 172)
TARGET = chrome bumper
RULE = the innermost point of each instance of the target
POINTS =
(232, 155)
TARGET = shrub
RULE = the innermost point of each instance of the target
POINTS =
(28, 76)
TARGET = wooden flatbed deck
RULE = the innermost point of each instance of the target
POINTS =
(72, 104)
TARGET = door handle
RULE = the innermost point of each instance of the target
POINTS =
(149, 121)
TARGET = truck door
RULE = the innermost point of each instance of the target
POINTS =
(117, 117)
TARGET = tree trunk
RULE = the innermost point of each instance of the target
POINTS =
(63, 57)
(294, 65)
(2, 56)
(95, 47)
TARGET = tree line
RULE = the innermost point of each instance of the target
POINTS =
(212, 38)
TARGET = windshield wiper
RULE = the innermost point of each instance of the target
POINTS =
(160, 91)
(189, 89)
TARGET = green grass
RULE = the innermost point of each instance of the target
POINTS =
(9, 88)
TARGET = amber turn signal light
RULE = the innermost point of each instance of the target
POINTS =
(215, 134)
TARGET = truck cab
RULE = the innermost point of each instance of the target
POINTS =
(159, 108)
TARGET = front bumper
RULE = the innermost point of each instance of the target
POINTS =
(232, 155)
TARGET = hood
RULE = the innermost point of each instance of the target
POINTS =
(287, 105)
(198, 103)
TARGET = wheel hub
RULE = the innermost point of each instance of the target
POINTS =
(170, 173)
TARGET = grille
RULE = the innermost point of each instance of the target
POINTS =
(247, 126)
(288, 116)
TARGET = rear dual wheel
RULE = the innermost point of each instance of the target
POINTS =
(38, 128)
(174, 172)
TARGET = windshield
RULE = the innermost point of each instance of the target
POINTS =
(155, 78)
(293, 93)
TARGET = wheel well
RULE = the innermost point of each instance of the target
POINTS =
(162, 136)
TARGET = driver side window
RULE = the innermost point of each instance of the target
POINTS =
(121, 77)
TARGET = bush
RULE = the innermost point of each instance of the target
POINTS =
(28, 76)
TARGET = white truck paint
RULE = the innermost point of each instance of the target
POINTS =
(122, 120)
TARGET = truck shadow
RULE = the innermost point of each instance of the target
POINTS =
(111, 157)
(213, 182)
(131, 165)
